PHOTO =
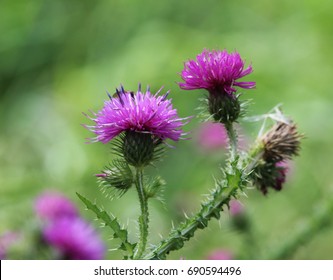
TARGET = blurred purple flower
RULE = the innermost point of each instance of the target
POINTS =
(52, 205)
(6, 240)
(216, 71)
(212, 136)
(220, 254)
(138, 112)
(75, 239)
(235, 208)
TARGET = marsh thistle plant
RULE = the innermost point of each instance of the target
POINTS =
(139, 124)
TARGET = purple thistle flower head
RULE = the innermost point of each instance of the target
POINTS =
(74, 239)
(53, 205)
(140, 112)
(216, 71)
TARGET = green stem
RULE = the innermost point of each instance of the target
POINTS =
(143, 219)
(225, 190)
(235, 178)
(232, 140)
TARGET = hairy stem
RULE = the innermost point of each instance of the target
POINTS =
(235, 179)
(224, 191)
(232, 140)
(143, 219)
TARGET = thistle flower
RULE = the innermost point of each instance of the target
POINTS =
(282, 142)
(218, 72)
(52, 205)
(74, 239)
(143, 121)
(137, 112)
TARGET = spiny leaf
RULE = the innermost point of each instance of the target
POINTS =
(111, 223)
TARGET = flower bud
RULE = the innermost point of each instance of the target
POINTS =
(270, 175)
(118, 175)
(282, 142)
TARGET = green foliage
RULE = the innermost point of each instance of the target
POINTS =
(113, 224)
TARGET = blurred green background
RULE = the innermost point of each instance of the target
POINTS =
(57, 59)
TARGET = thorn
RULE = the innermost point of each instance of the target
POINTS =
(148, 88)
(139, 87)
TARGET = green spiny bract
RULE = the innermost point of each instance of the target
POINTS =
(117, 177)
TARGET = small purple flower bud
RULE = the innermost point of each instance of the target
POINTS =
(282, 169)
(281, 142)
(74, 239)
(221, 254)
(271, 175)
(101, 175)
(52, 205)
(7, 239)
(236, 208)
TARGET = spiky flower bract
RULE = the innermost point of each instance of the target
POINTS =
(218, 72)
(282, 142)
(278, 145)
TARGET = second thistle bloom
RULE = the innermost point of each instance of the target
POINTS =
(218, 72)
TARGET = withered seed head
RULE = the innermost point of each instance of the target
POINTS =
(281, 142)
